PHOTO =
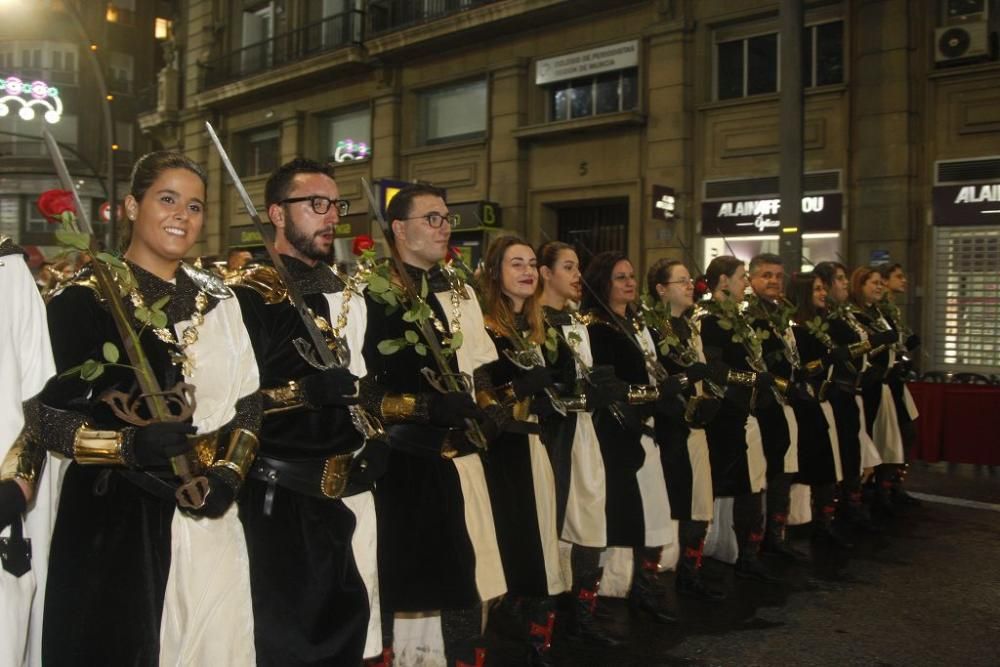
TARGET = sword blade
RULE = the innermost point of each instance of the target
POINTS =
(316, 337)
(82, 218)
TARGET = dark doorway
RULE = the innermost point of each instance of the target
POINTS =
(594, 228)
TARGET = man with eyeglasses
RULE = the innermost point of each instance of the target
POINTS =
(438, 554)
(307, 508)
(778, 426)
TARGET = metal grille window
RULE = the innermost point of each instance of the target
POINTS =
(967, 299)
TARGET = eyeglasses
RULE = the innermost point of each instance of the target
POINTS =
(680, 281)
(320, 204)
(435, 220)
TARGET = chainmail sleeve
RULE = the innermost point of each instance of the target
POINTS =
(249, 413)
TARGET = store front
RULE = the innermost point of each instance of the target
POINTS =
(749, 226)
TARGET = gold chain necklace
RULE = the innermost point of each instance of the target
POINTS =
(189, 336)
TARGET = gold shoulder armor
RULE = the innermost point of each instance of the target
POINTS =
(586, 319)
(261, 278)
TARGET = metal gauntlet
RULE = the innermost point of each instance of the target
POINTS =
(814, 367)
(781, 386)
(284, 398)
(575, 403)
(746, 379)
(642, 393)
(240, 454)
(24, 461)
(95, 447)
(859, 348)
(398, 408)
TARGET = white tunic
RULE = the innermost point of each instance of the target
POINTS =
(25, 365)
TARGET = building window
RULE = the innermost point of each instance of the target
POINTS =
(124, 136)
(346, 137)
(749, 66)
(823, 54)
(120, 11)
(258, 48)
(439, 122)
(966, 308)
(163, 28)
(24, 137)
(590, 96)
(120, 68)
(261, 151)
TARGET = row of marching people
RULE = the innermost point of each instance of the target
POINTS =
(290, 465)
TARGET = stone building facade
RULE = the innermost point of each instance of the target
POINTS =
(572, 118)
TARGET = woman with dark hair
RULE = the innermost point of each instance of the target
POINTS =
(637, 506)
(896, 283)
(571, 439)
(518, 470)
(858, 455)
(882, 420)
(137, 575)
(735, 446)
(681, 433)
(819, 451)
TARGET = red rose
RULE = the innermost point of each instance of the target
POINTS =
(700, 288)
(362, 242)
(53, 203)
(455, 253)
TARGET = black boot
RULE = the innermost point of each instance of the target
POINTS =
(644, 596)
(747, 524)
(584, 627)
(541, 622)
(856, 513)
(900, 497)
(689, 582)
(776, 542)
(464, 645)
(825, 526)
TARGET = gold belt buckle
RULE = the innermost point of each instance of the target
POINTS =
(335, 474)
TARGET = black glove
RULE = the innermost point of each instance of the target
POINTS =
(604, 388)
(12, 502)
(334, 386)
(669, 404)
(706, 409)
(154, 445)
(541, 406)
(222, 485)
(840, 354)
(696, 372)
(532, 381)
(739, 396)
(912, 342)
(880, 338)
(798, 392)
(450, 410)
(718, 372)
(490, 426)
(672, 386)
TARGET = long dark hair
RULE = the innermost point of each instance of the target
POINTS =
(598, 278)
(498, 310)
(800, 293)
(146, 170)
(827, 271)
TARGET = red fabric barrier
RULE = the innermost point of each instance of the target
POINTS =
(958, 423)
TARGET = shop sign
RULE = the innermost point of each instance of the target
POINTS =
(473, 215)
(664, 203)
(749, 217)
(243, 236)
(587, 63)
(967, 205)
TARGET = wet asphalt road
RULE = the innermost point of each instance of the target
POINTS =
(925, 592)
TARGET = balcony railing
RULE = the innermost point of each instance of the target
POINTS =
(330, 33)
(389, 15)
(146, 99)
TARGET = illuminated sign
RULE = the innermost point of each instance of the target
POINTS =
(587, 63)
(664, 203)
(759, 216)
(348, 149)
(30, 96)
(967, 205)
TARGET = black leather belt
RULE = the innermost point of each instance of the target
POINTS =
(319, 478)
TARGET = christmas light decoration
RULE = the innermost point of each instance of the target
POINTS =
(29, 96)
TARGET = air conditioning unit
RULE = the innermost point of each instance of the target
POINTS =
(961, 42)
